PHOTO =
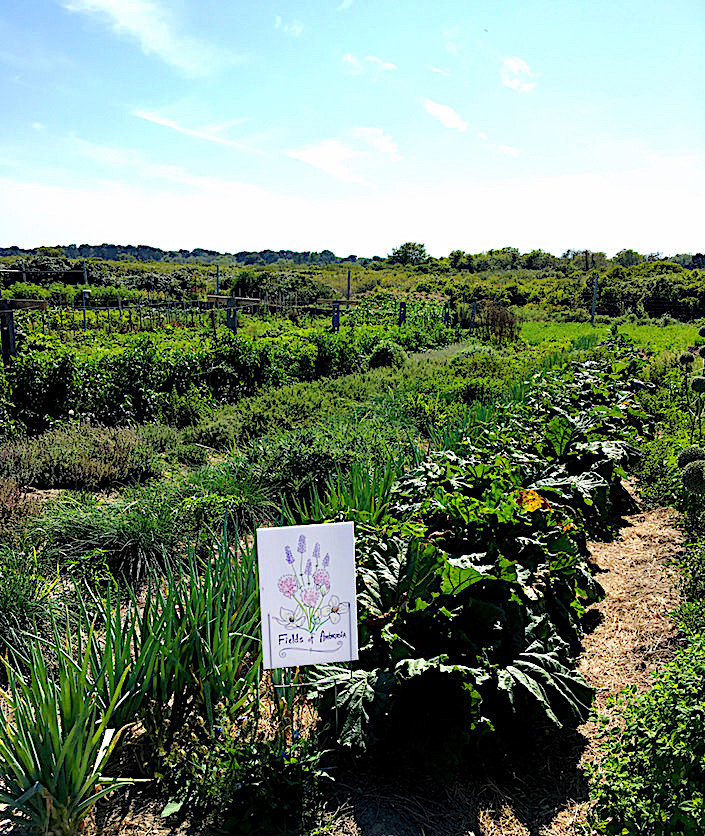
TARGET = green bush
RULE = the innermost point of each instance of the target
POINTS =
(690, 454)
(387, 353)
(79, 456)
(251, 784)
(691, 565)
(657, 473)
(651, 777)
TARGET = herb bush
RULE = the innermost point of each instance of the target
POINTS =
(79, 456)
(15, 504)
(387, 353)
(651, 778)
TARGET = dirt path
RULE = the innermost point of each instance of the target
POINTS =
(635, 635)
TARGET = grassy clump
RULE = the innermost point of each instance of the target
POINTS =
(26, 599)
(130, 535)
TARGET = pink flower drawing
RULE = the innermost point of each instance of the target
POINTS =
(321, 578)
(310, 597)
(288, 585)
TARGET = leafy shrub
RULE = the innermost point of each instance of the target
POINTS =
(657, 473)
(692, 453)
(693, 476)
(253, 785)
(387, 353)
(79, 456)
(224, 495)
(691, 565)
(650, 778)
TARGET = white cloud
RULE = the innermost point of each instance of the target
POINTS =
(370, 65)
(38, 126)
(295, 28)
(483, 137)
(331, 156)
(445, 115)
(379, 65)
(211, 133)
(509, 150)
(345, 5)
(440, 71)
(152, 25)
(377, 139)
(515, 73)
(351, 64)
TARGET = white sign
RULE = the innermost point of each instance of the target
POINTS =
(307, 594)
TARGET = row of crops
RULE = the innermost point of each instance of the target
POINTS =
(473, 579)
(176, 376)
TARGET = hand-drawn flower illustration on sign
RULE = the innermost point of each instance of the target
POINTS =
(308, 586)
(307, 594)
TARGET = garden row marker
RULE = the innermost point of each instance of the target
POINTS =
(7, 332)
(402, 314)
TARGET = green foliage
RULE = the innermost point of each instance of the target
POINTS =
(27, 595)
(387, 353)
(658, 474)
(130, 535)
(472, 568)
(179, 378)
(691, 581)
(693, 476)
(692, 453)
(253, 785)
(55, 740)
(79, 456)
(650, 777)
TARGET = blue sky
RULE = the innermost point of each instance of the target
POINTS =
(353, 125)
